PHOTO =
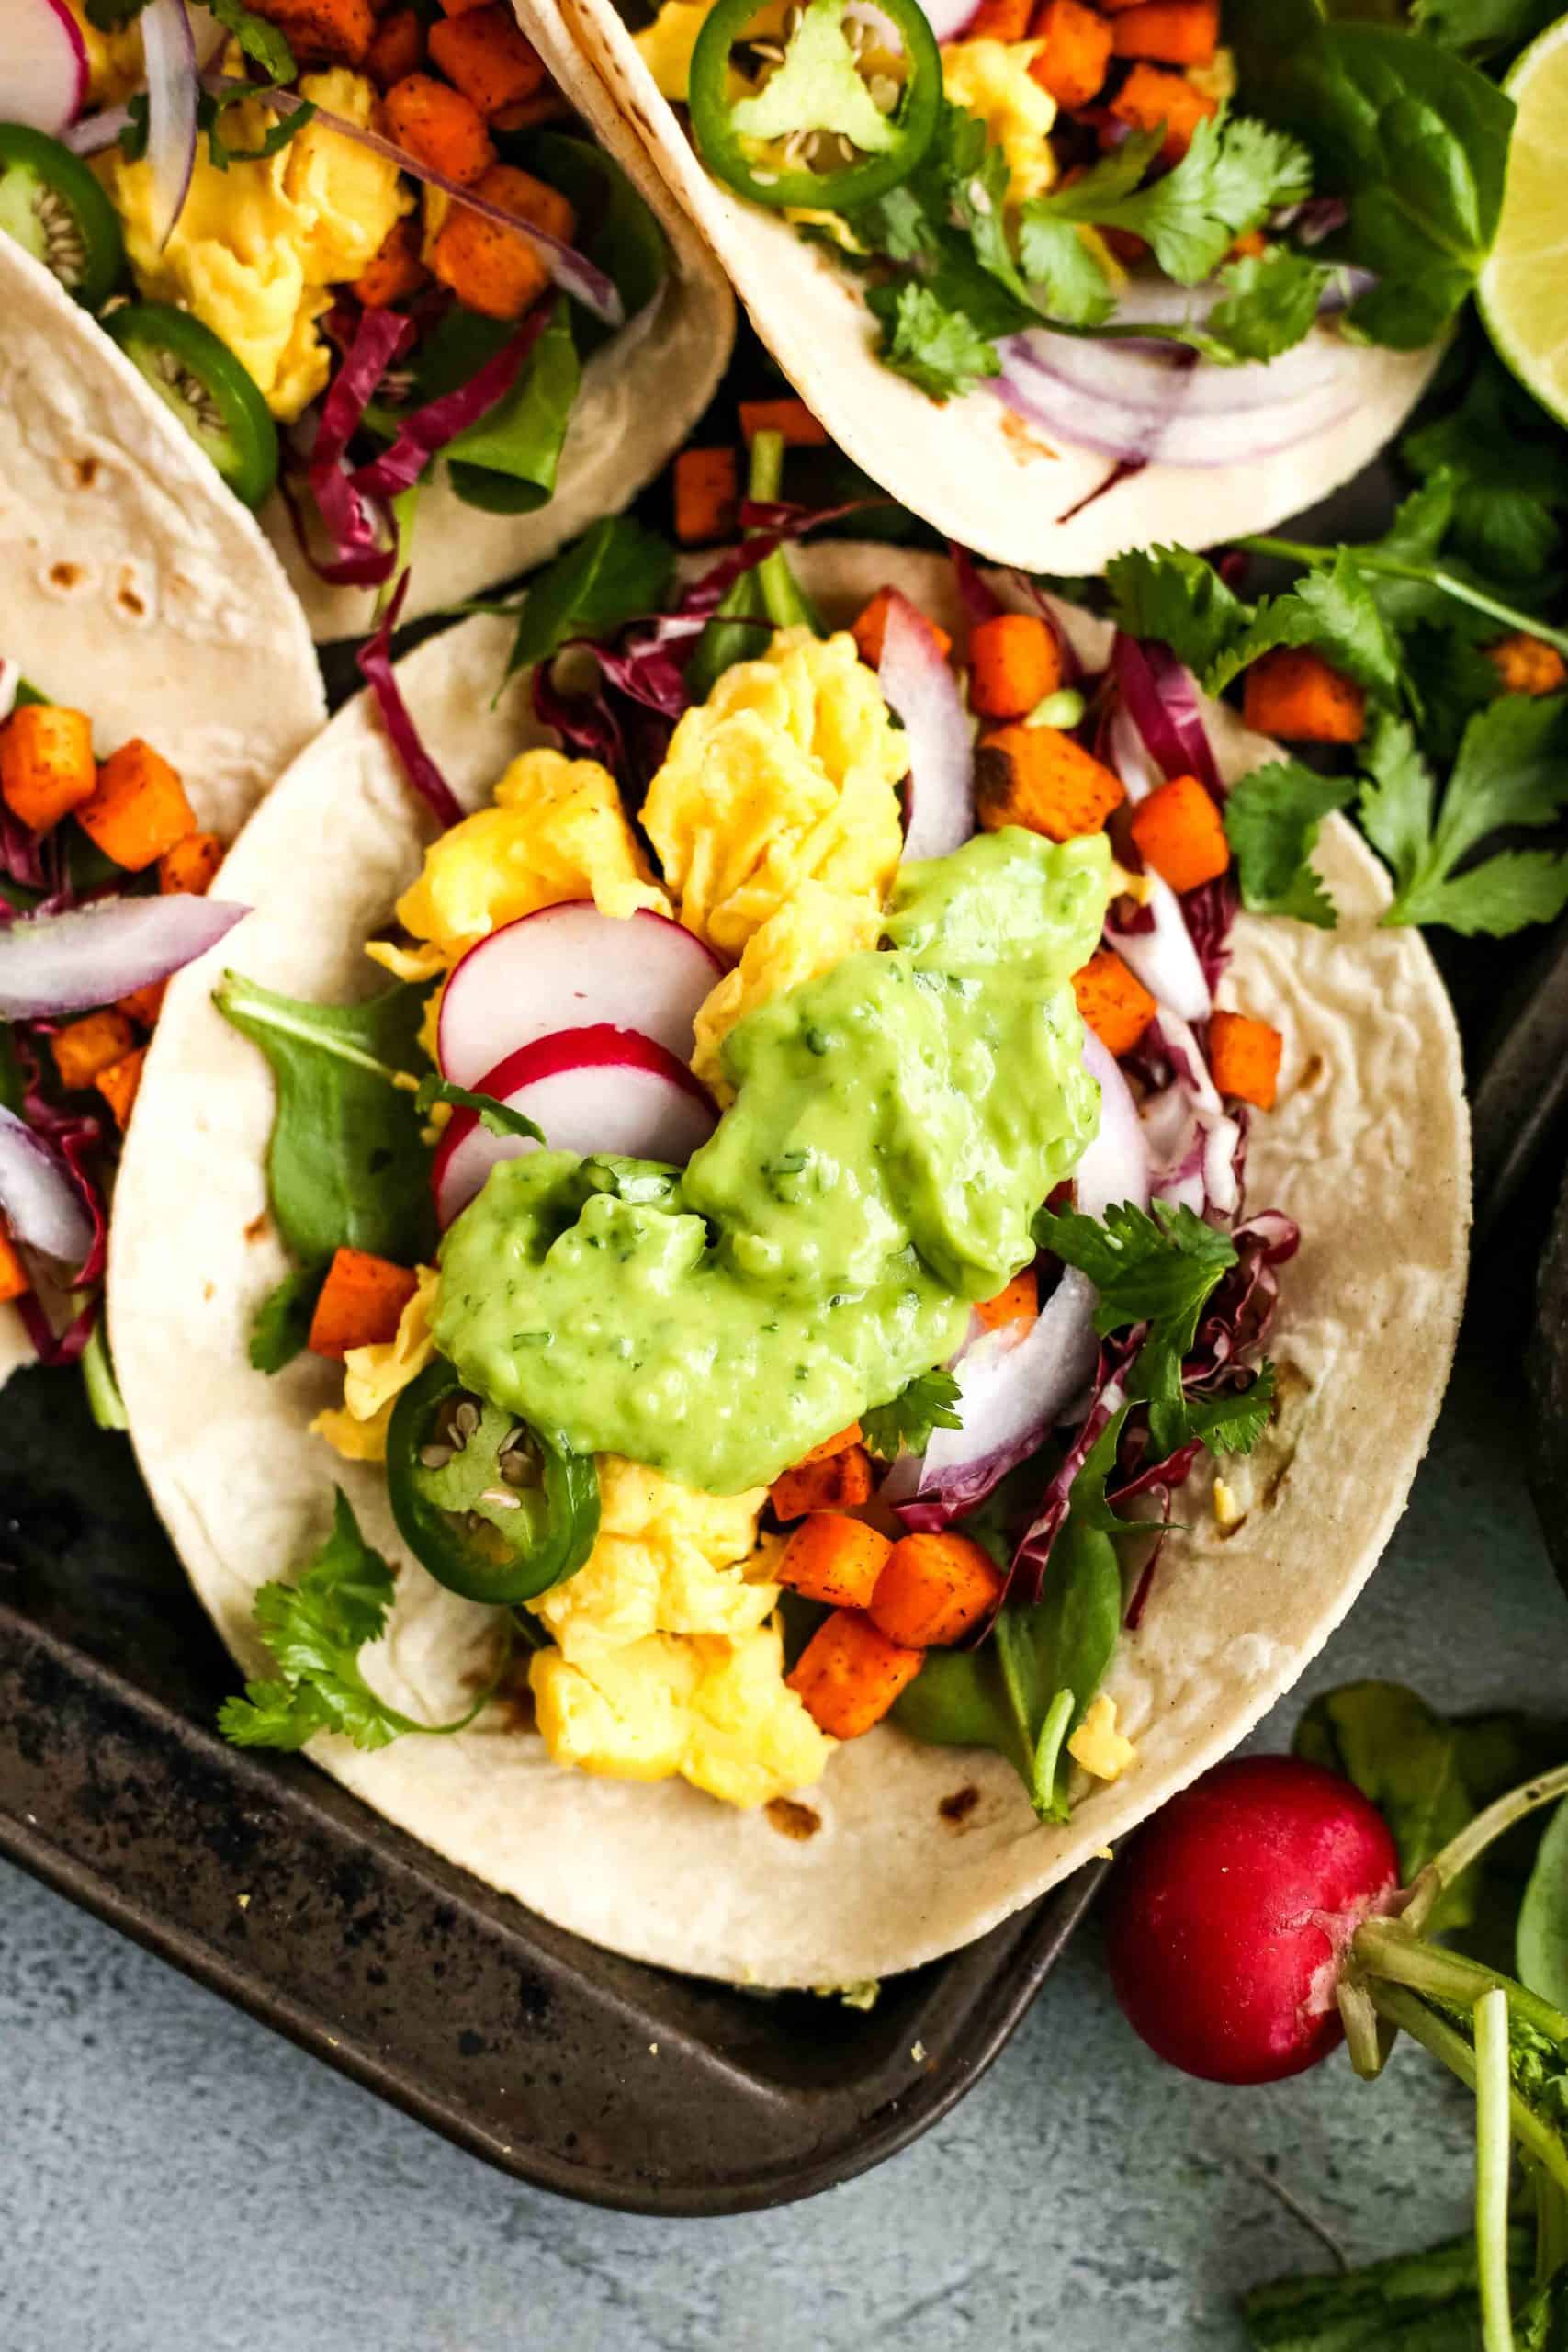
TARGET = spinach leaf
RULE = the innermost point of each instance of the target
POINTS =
(506, 461)
(1486, 26)
(346, 1165)
(616, 230)
(1542, 1935)
(281, 1327)
(617, 572)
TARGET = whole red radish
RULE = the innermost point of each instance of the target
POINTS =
(1229, 1912)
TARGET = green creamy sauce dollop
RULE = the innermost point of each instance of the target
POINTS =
(897, 1123)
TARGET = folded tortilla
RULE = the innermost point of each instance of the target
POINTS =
(974, 469)
(1369, 1148)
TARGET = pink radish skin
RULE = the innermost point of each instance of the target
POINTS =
(1230, 1911)
(46, 64)
(595, 1089)
(568, 967)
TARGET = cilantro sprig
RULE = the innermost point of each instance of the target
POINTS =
(906, 1422)
(315, 1629)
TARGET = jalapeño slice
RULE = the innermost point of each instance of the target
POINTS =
(495, 1511)
(212, 393)
(727, 127)
(52, 206)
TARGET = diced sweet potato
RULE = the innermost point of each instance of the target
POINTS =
(1525, 665)
(933, 1589)
(190, 866)
(872, 626)
(1296, 694)
(85, 1047)
(1038, 778)
(1076, 56)
(835, 1482)
(1014, 663)
(361, 1303)
(1244, 1058)
(849, 1674)
(493, 271)
(788, 417)
(1019, 1303)
(484, 52)
(137, 809)
(707, 496)
(440, 127)
(395, 270)
(1180, 833)
(839, 1443)
(143, 1005)
(46, 762)
(834, 1559)
(14, 1282)
(999, 20)
(322, 32)
(1169, 32)
(398, 49)
(118, 1084)
(1150, 96)
(1113, 1002)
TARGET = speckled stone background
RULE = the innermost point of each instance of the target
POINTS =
(172, 2179)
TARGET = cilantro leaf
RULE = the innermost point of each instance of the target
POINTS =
(615, 573)
(496, 1118)
(315, 1629)
(281, 1326)
(1396, 799)
(1273, 817)
(1172, 594)
(1057, 257)
(1271, 300)
(817, 86)
(1332, 609)
(938, 348)
(1512, 771)
(1233, 1423)
(906, 1422)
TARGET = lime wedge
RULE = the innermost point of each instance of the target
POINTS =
(1524, 287)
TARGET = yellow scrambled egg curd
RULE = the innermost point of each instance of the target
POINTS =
(667, 44)
(375, 1377)
(666, 1560)
(715, 1711)
(817, 930)
(258, 246)
(992, 79)
(1096, 1744)
(114, 66)
(786, 774)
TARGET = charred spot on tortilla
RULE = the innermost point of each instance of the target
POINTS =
(258, 1228)
(131, 600)
(956, 1809)
(66, 576)
(791, 1819)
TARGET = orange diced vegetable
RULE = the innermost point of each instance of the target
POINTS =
(14, 1282)
(85, 1047)
(398, 48)
(1019, 1303)
(1169, 32)
(1244, 1058)
(46, 762)
(707, 496)
(143, 1005)
(839, 1443)
(1294, 693)
(1527, 666)
(999, 20)
(322, 32)
(1180, 833)
(489, 269)
(789, 418)
(1072, 65)
(1150, 97)
(118, 1084)
(834, 1559)
(1014, 663)
(934, 1589)
(442, 128)
(836, 1482)
(1039, 777)
(361, 1303)
(139, 807)
(188, 867)
(395, 270)
(461, 7)
(1113, 1002)
(524, 114)
(872, 626)
(1252, 246)
(486, 54)
(850, 1673)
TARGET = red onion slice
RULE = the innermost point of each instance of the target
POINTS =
(919, 688)
(63, 962)
(1116, 1165)
(1160, 376)
(37, 1198)
(1172, 436)
(169, 48)
(1162, 698)
(95, 131)
(1162, 956)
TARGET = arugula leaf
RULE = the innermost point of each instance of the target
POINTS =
(496, 1118)
(1273, 817)
(1271, 300)
(315, 1629)
(906, 1422)
(345, 1165)
(938, 348)
(1511, 770)
(281, 1327)
(616, 572)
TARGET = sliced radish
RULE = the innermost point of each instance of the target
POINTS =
(571, 967)
(45, 69)
(594, 1089)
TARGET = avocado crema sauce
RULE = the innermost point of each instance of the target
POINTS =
(897, 1122)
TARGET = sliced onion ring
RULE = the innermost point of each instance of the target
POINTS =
(62, 963)
(919, 688)
(41, 1202)
(1116, 1165)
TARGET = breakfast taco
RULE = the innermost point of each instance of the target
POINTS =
(1068, 278)
(412, 289)
(866, 1322)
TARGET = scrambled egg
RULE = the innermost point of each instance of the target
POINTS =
(115, 67)
(786, 774)
(817, 930)
(992, 79)
(257, 246)
(375, 1377)
(668, 1560)
(667, 44)
(1096, 1744)
(719, 1712)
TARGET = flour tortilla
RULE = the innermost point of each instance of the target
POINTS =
(640, 395)
(135, 586)
(1368, 1147)
(978, 473)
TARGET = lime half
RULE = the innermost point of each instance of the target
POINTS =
(1524, 287)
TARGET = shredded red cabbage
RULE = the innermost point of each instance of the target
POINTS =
(425, 433)
(1162, 700)
(980, 600)
(379, 674)
(54, 1348)
(364, 543)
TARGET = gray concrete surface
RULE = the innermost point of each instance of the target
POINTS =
(172, 2179)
